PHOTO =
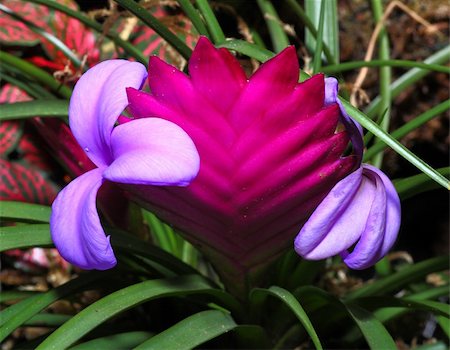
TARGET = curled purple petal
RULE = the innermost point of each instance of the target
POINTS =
(97, 101)
(338, 221)
(75, 226)
(363, 208)
(354, 129)
(393, 209)
(152, 151)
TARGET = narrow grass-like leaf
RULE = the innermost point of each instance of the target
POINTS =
(279, 38)
(434, 346)
(410, 126)
(121, 341)
(409, 78)
(214, 28)
(47, 320)
(194, 16)
(376, 335)
(36, 73)
(38, 108)
(24, 212)
(372, 303)
(162, 234)
(125, 45)
(292, 303)
(401, 278)
(329, 35)
(25, 236)
(191, 332)
(13, 76)
(128, 243)
(345, 66)
(395, 145)
(50, 37)
(252, 337)
(300, 12)
(444, 322)
(387, 314)
(385, 77)
(120, 301)
(414, 185)
(11, 295)
(248, 49)
(151, 21)
(17, 314)
(317, 59)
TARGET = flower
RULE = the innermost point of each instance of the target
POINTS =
(149, 151)
(270, 151)
(362, 208)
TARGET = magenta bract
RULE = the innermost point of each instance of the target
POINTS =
(269, 149)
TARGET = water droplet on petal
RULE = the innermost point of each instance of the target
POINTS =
(86, 149)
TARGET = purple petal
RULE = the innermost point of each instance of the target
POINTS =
(152, 151)
(393, 210)
(97, 101)
(367, 249)
(353, 128)
(325, 233)
(75, 225)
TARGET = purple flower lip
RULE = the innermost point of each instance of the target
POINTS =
(363, 208)
(148, 151)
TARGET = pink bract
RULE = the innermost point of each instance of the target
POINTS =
(269, 148)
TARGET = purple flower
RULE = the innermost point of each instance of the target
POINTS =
(149, 151)
(362, 210)
(270, 150)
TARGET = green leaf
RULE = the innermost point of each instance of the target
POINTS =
(211, 21)
(409, 78)
(317, 60)
(413, 185)
(38, 108)
(385, 78)
(25, 236)
(15, 315)
(128, 243)
(248, 49)
(376, 335)
(194, 16)
(192, 331)
(24, 212)
(401, 278)
(410, 126)
(292, 303)
(10, 295)
(47, 320)
(394, 144)
(279, 38)
(35, 73)
(120, 301)
(121, 341)
(388, 313)
(329, 35)
(344, 66)
(372, 303)
(142, 13)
